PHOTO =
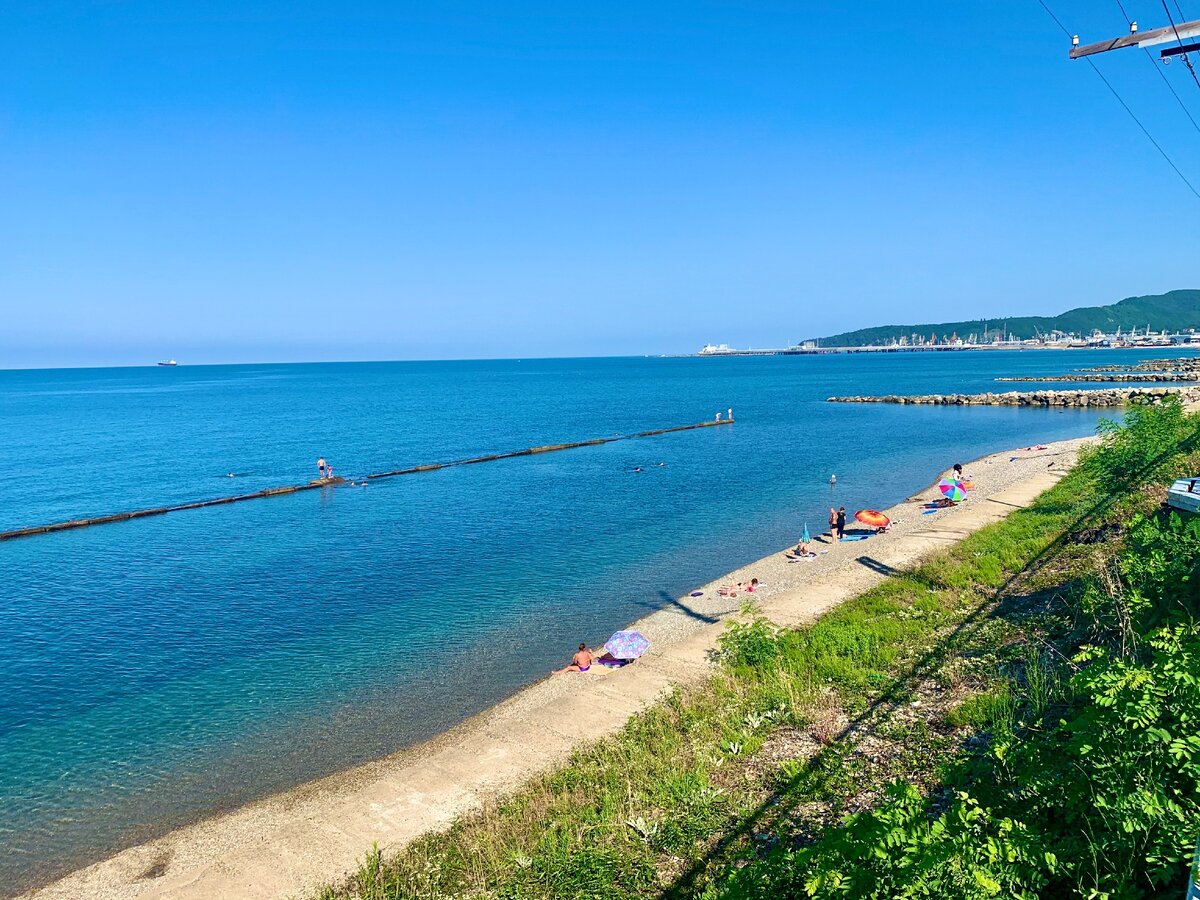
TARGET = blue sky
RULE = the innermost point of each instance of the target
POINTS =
(266, 181)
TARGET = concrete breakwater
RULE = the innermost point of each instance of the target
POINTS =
(1106, 397)
(331, 482)
(1140, 377)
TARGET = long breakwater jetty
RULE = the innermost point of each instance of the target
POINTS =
(1107, 397)
(1135, 377)
(331, 482)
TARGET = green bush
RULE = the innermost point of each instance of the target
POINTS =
(1143, 446)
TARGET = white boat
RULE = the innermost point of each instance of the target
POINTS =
(168, 362)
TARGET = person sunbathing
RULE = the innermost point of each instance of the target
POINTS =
(801, 552)
(607, 659)
(580, 662)
(729, 590)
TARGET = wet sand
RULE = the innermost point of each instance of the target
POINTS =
(290, 844)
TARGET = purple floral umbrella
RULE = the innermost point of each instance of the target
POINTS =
(627, 645)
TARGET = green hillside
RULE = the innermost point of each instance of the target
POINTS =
(1173, 311)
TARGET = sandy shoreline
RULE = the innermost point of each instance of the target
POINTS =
(291, 843)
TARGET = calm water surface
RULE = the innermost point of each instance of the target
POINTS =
(157, 670)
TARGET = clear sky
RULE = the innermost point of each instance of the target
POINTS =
(300, 181)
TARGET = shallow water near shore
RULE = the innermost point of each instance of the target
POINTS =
(165, 668)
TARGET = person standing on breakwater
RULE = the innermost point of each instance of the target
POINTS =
(833, 523)
(321, 465)
(841, 522)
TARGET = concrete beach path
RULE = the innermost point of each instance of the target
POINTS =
(290, 844)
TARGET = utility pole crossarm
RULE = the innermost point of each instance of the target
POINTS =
(1150, 38)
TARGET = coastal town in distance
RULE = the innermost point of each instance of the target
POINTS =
(995, 340)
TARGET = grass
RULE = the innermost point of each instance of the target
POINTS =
(798, 727)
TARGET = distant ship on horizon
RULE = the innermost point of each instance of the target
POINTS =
(168, 362)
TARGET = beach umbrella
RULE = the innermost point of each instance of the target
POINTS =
(627, 645)
(952, 490)
(873, 517)
(806, 538)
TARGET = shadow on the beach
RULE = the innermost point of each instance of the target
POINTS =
(669, 602)
(876, 566)
(781, 804)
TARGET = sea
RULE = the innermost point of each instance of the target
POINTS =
(156, 671)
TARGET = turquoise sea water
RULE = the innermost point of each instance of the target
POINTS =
(158, 670)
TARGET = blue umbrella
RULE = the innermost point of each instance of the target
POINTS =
(805, 537)
(627, 645)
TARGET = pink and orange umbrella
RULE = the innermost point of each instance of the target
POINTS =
(872, 517)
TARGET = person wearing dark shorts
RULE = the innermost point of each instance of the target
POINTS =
(841, 522)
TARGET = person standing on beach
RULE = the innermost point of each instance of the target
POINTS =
(841, 522)
(321, 466)
(833, 523)
(958, 471)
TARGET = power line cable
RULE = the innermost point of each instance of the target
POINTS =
(1161, 74)
(1145, 131)
(1124, 105)
(1051, 14)
(1186, 61)
(1170, 87)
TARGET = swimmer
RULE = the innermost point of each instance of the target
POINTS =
(637, 468)
(661, 464)
(832, 480)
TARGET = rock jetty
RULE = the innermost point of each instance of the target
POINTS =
(1141, 377)
(1179, 364)
(1103, 397)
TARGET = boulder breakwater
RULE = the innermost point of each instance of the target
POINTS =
(1104, 397)
(1139, 377)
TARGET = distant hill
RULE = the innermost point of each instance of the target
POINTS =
(1173, 311)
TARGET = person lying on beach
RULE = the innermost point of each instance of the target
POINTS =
(731, 590)
(580, 662)
(607, 659)
(801, 552)
(752, 586)
(942, 503)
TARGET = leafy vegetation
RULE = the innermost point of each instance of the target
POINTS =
(1173, 311)
(1014, 717)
